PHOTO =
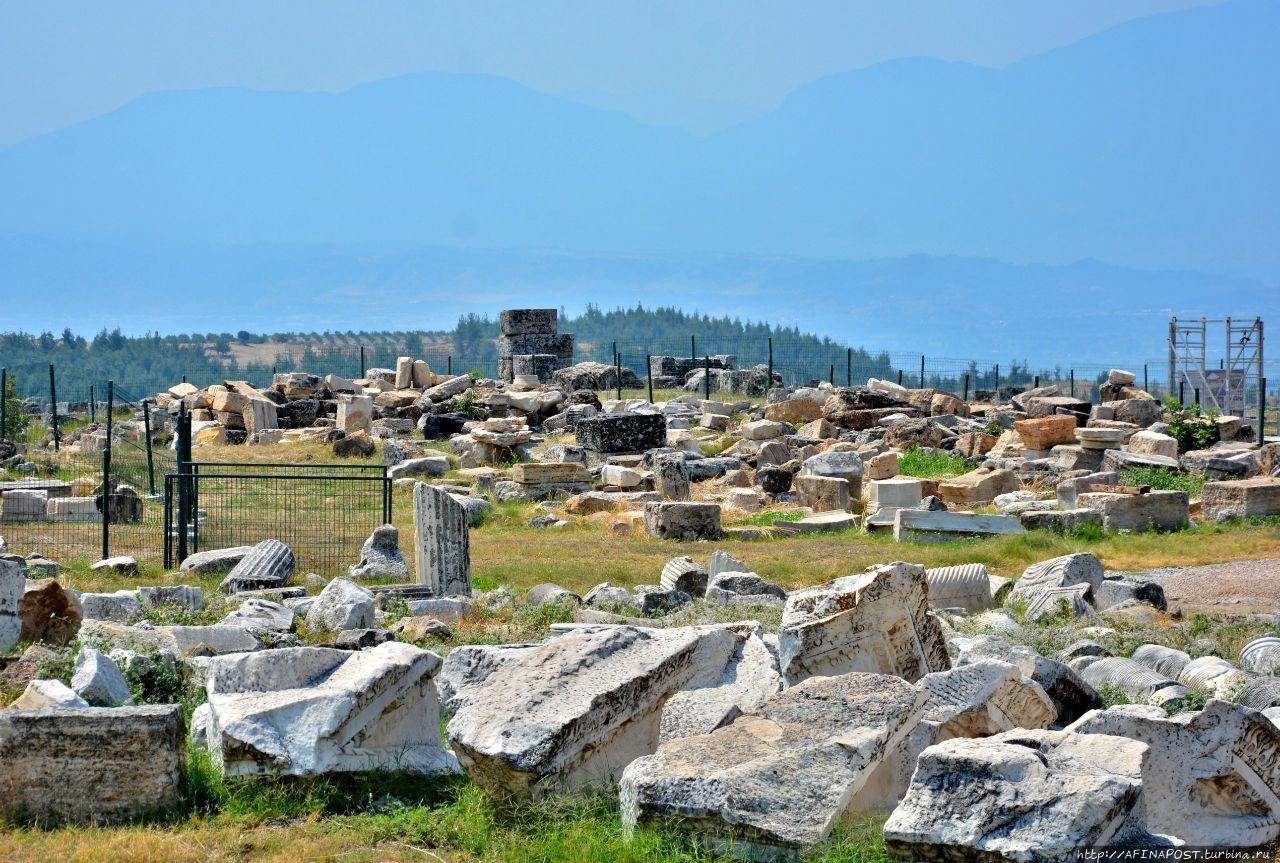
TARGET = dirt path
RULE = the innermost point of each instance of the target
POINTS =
(1237, 588)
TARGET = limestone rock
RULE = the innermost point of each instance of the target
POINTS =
(305, 711)
(98, 681)
(682, 521)
(48, 613)
(1068, 570)
(215, 560)
(261, 617)
(1072, 697)
(571, 712)
(12, 586)
(878, 621)
(342, 604)
(1025, 796)
(734, 672)
(47, 695)
(774, 783)
(380, 556)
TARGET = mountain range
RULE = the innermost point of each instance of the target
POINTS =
(878, 197)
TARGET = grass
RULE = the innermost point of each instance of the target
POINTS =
(930, 464)
(1163, 479)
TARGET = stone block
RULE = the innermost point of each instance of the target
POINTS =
(896, 493)
(1156, 510)
(1047, 432)
(12, 586)
(622, 432)
(91, 765)
(1147, 442)
(442, 541)
(522, 322)
(1240, 498)
(1059, 520)
(978, 486)
(535, 473)
(918, 525)
(682, 520)
(355, 413)
(822, 493)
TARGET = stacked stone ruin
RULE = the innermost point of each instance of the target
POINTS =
(529, 348)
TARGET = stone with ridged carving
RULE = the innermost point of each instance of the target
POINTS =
(878, 621)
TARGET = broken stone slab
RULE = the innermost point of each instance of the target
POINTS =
(967, 586)
(977, 699)
(742, 588)
(1122, 460)
(48, 695)
(342, 604)
(442, 542)
(124, 761)
(1025, 795)
(878, 621)
(1046, 432)
(571, 712)
(776, 782)
(98, 680)
(268, 564)
(12, 587)
(429, 466)
(551, 594)
(839, 465)
(450, 609)
(121, 606)
(821, 522)
(179, 640)
(380, 556)
(734, 673)
(467, 667)
(215, 560)
(978, 486)
(1060, 520)
(657, 601)
(682, 521)
(1056, 574)
(1211, 777)
(606, 594)
(822, 493)
(306, 711)
(265, 619)
(918, 525)
(1118, 588)
(1072, 697)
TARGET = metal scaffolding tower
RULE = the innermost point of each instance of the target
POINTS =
(1232, 387)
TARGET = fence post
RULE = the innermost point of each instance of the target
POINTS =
(1073, 383)
(53, 409)
(693, 349)
(966, 387)
(184, 469)
(706, 377)
(4, 401)
(1036, 385)
(1182, 391)
(769, 385)
(146, 429)
(93, 405)
(848, 367)
(1197, 392)
(899, 377)
(449, 367)
(922, 371)
(617, 359)
(106, 476)
(648, 365)
(1144, 379)
(1262, 410)
(995, 399)
(362, 361)
(831, 375)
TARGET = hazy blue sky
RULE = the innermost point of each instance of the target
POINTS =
(697, 64)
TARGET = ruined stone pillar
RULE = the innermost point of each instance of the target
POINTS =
(442, 541)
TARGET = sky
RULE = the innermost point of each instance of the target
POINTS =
(699, 65)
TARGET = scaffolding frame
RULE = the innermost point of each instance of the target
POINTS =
(1227, 387)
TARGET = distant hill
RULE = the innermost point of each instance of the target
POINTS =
(1149, 145)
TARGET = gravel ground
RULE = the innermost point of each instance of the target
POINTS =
(1237, 588)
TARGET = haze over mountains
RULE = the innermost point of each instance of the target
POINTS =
(1149, 146)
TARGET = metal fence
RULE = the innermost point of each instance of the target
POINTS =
(323, 512)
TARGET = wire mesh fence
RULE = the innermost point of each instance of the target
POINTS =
(322, 512)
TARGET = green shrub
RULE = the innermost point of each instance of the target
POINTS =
(930, 463)
(1191, 427)
(1163, 479)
